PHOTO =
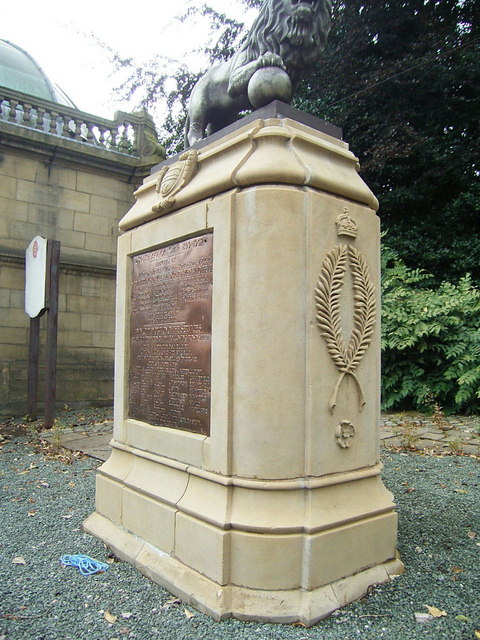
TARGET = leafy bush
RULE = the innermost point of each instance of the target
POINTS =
(430, 340)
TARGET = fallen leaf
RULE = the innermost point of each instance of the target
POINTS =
(477, 634)
(188, 613)
(71, 483)
(170, 603)
(109, 617)
(19, 560)
(30, 514)
(463, 618)
(435, 612)
(460, 491)
(442, 486)
(67, 516)
(471, 534)
(410, 490)
(124, 631)
(457, 569)
(22, 473)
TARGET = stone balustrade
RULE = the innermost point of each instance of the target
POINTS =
(128, 133)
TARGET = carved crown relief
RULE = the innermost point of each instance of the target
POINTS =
(328, 298)
(346, 226)
(171, 180)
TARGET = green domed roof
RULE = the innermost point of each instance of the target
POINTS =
(20, 72)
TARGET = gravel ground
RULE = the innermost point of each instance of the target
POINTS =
(45, 501)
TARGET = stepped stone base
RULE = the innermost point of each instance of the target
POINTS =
(224, 601)
(278, 551)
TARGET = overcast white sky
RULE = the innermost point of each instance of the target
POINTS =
(55, 33)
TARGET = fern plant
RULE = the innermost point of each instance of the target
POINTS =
(430, 340)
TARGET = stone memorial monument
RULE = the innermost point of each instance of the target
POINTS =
(245, 475)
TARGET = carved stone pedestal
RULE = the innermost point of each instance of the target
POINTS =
(245, 474)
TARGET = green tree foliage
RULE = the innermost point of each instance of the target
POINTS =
(403, 80)
(430, 340)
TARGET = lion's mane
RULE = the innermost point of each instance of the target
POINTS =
(276, 29)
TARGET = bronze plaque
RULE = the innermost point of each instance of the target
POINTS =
(170, 335)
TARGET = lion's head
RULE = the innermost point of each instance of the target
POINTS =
(297, 30)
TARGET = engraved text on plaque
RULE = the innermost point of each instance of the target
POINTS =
(170, 335)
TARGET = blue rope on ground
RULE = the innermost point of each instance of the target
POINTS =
(86, 565)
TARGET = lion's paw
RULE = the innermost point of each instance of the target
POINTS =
(269, 59)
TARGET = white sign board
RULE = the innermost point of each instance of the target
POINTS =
(35, 276)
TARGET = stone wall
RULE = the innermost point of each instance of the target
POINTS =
(85, 337)
(66, 191)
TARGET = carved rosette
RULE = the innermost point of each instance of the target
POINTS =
(327, 296)
(344, 434)
(171, 180)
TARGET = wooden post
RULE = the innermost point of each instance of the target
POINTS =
(53, 259)
(33, 349)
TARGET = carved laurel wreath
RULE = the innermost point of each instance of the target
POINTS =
(327, 297)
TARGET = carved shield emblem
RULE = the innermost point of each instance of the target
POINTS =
(172, 179)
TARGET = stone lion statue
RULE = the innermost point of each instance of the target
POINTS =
(287, 37)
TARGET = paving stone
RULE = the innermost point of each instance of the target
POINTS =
(433, 436)
(453, 436)
(96, 446)
(422, 444)
(472, 449)
(100, 453)
(392, 442)
(386, 433)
